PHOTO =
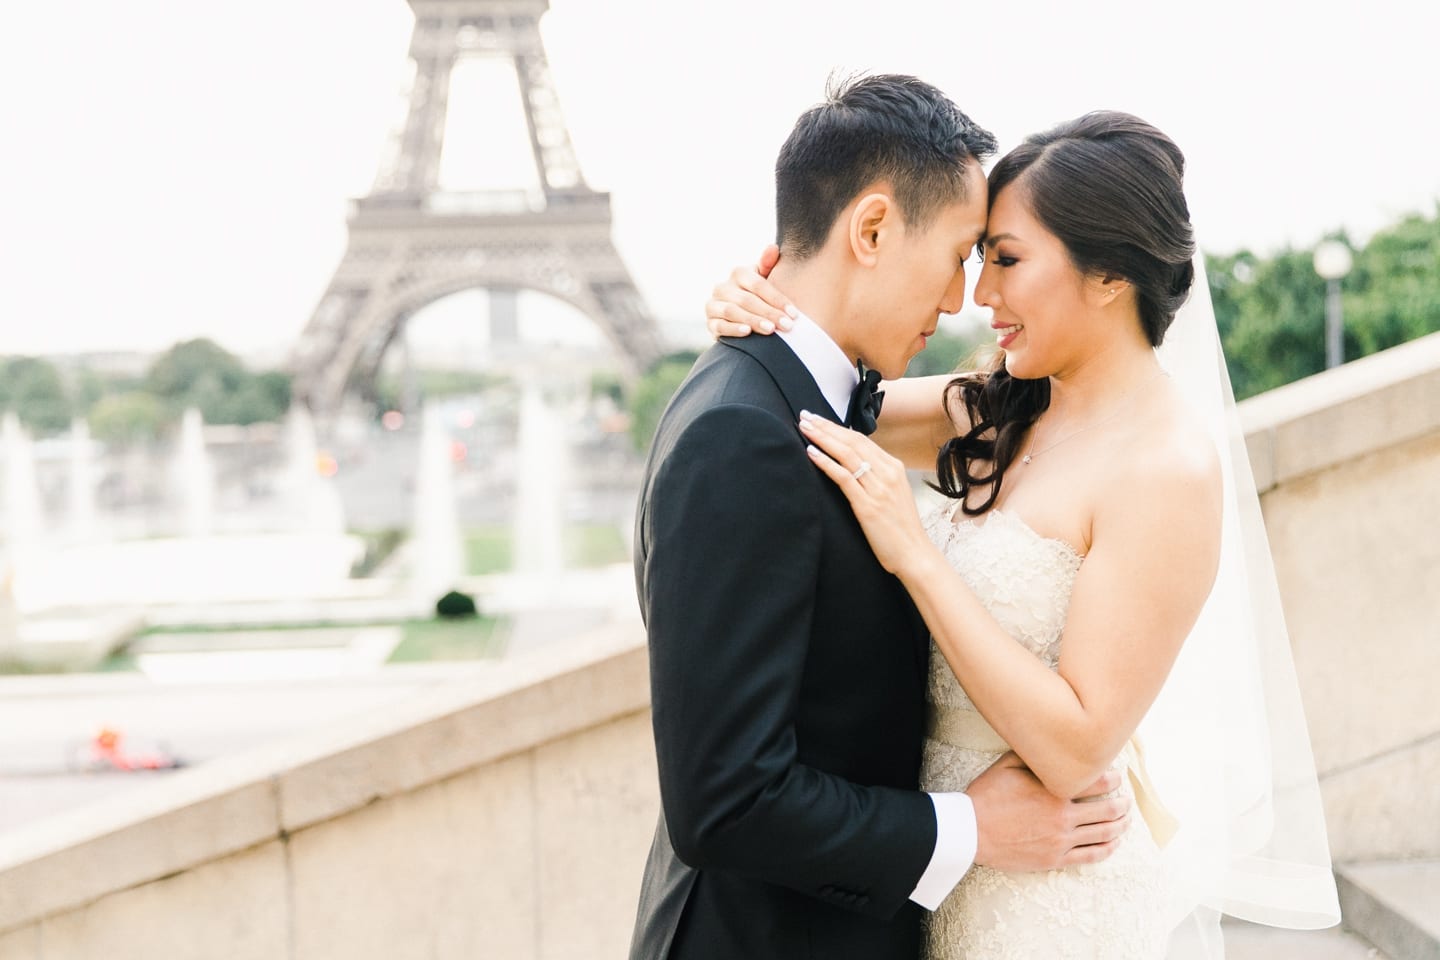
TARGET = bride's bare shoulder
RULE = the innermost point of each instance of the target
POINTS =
(1173, 454)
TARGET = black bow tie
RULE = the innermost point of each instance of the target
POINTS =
(865, 401)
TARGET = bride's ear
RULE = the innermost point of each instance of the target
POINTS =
(1107, 288)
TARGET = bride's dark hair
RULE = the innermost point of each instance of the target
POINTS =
(1109, 185)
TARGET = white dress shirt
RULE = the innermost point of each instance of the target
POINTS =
(956, 833)
(833, 372)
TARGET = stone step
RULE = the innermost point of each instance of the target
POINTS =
(1253, 941)
(1394, 904)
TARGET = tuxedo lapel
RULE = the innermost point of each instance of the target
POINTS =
(803, 393)
(789, 373)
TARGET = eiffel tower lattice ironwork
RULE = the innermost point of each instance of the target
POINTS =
(411, 242)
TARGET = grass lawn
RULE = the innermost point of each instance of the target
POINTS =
(476, 638)
(594, 545)
(489, 549)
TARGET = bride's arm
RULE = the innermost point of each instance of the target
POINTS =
(913, 422)
(1151, 563)
(1153, 555)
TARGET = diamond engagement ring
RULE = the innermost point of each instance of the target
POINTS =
(861, 470)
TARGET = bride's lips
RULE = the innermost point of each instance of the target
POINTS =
(1005, 333)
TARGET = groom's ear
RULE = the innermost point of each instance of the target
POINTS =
(872, 221)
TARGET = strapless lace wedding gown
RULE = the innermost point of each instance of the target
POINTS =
(1109, 910)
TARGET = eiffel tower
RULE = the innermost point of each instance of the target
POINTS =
(411, 242)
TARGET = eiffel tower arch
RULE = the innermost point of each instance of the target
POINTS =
(412, 242)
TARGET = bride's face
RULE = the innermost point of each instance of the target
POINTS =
(1043, 306)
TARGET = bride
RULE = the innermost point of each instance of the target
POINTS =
(1093, 492)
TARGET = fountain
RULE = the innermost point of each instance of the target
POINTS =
(311, 501)
(437, 553)
(194, 569)
(22, 526)
(544, 597)
(82, 527)
(22, 493)
(195, 478)
(37, 574)
(10, 650)
(540, 487)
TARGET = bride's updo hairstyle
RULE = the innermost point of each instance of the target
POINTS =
(1108, 185)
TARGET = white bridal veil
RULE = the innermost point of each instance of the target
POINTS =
(1227, 745)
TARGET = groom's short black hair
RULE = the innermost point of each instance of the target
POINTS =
(881, 127)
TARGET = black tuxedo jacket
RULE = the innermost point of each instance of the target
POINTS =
(788, 680)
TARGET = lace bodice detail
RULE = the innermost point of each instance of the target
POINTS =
(1023, 579)
(1108, 911)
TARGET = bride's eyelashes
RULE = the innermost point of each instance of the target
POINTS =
(1000, 261)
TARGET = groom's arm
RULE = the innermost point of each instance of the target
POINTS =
(735, 495)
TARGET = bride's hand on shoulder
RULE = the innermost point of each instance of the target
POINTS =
(878, 489)
(747, 302)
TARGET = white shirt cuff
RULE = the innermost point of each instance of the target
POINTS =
(956, 837)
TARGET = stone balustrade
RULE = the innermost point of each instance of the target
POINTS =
(507, 816)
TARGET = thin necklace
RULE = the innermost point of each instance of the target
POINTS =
(1108, 417)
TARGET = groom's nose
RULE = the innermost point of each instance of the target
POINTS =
(954, 299)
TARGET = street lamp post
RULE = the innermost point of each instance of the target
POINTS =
(1332, 263)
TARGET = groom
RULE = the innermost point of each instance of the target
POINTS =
(788, 669)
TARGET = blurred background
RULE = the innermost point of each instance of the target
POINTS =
(334, 335)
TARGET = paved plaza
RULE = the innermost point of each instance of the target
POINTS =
(46, 723)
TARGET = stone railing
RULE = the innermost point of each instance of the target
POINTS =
(505, 816)
(1348, 467)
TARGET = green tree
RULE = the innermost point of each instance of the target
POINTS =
(1271, 311)
(34, 390)
(1271, 315)
(604, 383)
(1393, 293)
(274, 386)
(254, 401)
(653, 392)
(89, 387)
(192, 364)
(133, 417)
(204, 375)
(945, 353)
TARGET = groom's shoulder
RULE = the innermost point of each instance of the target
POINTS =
(725, 377)
(734, 369)
(727, 403)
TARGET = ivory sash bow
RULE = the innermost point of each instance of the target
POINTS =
(970, 731)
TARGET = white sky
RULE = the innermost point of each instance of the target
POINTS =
(180, 168)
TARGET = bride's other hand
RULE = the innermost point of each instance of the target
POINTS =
(749, 303)
(877, 487)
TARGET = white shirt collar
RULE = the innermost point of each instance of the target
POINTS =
(833, 372)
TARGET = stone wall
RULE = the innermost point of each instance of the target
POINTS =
(1348, 465)
(507, 817)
